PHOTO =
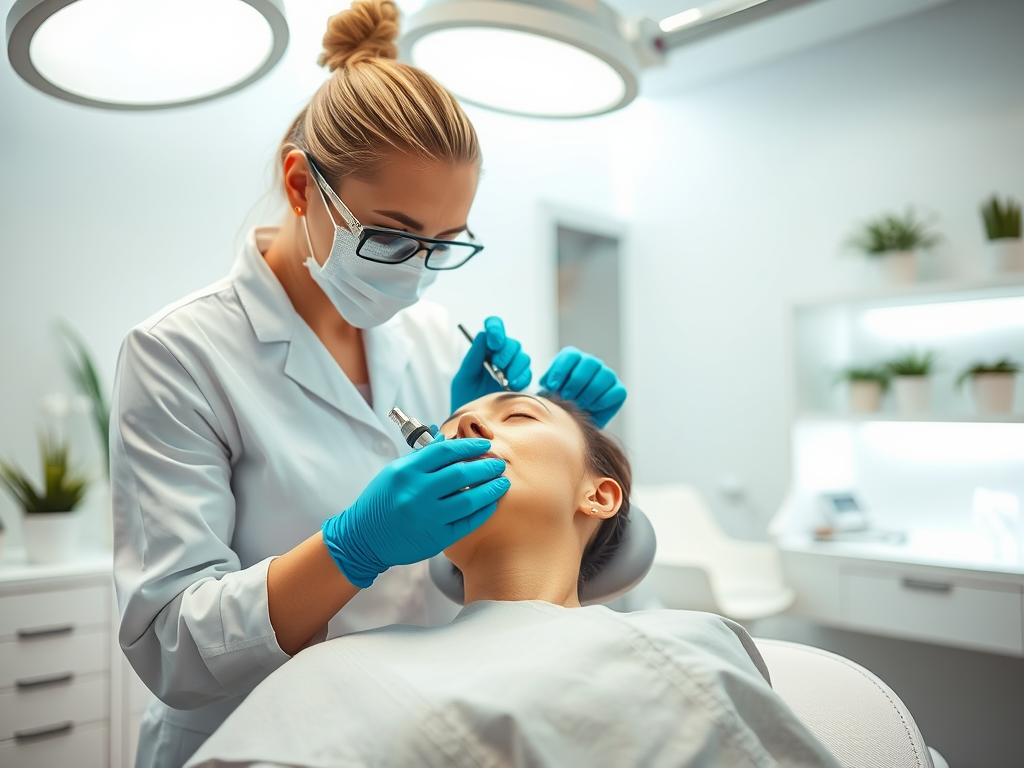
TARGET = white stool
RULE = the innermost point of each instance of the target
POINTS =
(697, 567)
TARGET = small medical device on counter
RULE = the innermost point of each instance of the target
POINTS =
(846, 520)
(416, 435)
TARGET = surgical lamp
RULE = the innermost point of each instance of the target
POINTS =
(545, 58)
(144, 54)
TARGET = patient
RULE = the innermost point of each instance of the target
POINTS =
(523, 675)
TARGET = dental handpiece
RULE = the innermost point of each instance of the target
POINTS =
(495, 372)
(415, 434)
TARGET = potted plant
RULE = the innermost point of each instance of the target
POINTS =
(867, 384)
(909, 375)
(50, 525)
(1002, 225)
(894, 241)
(993, 385)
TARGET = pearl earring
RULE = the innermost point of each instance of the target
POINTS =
(298, 211)
(593, 510)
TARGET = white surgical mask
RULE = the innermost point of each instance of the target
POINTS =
(366, 293)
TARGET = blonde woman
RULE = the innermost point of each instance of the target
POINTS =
(262, 500)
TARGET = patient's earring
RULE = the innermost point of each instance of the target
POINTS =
(593, 510)
(298, 211)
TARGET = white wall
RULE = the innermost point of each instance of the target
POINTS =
(752, 186)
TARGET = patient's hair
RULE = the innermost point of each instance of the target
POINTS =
(604, 457)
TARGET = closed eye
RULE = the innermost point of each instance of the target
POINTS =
(522, 415)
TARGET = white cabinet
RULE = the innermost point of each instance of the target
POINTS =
(873, 591)
(55, 656)
(934, 608)
(942, 491)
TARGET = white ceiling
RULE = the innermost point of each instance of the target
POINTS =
(784, 33)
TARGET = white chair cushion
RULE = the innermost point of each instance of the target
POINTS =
(855, 714)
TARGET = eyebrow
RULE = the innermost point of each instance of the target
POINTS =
(410, 222)
(501, 398)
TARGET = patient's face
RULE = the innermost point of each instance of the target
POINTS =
(544, 453)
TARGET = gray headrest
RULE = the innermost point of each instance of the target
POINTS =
(623, 571)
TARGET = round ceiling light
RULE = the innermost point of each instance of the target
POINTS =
(144, 54)
(539, 58)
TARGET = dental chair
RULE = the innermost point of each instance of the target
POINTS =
(857, 716)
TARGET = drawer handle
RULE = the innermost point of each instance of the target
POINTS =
(28, 734)
(60, 677)
(929, 586)
(63, 629)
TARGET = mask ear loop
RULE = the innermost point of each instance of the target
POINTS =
(321, 184)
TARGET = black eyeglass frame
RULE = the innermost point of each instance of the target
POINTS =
(364, 233)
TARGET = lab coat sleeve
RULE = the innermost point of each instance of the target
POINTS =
(194, 624)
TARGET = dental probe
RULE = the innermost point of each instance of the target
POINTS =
(495, 372)
(414, 433)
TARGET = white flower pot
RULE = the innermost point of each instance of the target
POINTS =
(50, 537)
(993, 392)
(865, 396)
(912, 393)
(1005, 255)
(898, 267)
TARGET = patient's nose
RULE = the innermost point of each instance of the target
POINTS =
(471, 425)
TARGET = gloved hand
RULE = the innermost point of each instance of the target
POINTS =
(413, 508)
(588, 382)
(473, 380)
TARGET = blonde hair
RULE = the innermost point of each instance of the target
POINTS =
(373, 105)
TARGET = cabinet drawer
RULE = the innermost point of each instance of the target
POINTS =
(78, 746)
(948, 612)
(23, 711)
(34, 613)
(31, 660)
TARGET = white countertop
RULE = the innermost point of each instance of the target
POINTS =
(940, 548)
(15, 568)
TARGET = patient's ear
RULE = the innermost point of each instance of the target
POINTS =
(602, 498)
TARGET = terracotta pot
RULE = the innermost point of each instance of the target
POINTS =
(993, 392)
(865, 396)
(899, 267)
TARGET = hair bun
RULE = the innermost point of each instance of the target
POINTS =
(367, 30)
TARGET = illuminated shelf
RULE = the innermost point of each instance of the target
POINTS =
(927, 418)
(937, 291)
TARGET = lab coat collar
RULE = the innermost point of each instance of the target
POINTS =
(269, 309)
(308, 363)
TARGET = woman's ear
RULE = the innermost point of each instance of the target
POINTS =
(296, 180)
(603, 499)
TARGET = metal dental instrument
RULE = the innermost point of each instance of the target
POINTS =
(495, 372)
(415, 434)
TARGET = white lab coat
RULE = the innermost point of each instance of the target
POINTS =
(234, 435)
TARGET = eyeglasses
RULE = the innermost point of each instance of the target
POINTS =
(394, 246)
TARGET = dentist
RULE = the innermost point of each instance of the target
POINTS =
(262, 500)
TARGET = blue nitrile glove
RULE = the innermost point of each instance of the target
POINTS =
(413, 508)
(588, 382)
(473, 380)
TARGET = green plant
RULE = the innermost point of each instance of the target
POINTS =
(893, 232)
(82, 370)
(911, 363)
(1004, 365)
(1001, 220)
(876, 373)
(62, 490)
